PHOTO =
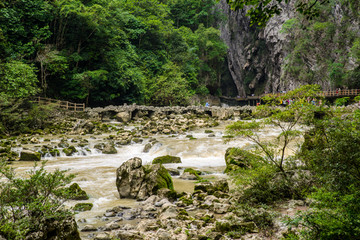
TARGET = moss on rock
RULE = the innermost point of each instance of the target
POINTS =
(166, 159)
(27, 155)
(237, 158)
(162, 176)
(69, 151)
(83, 207)
(194, 172)
(77, 193)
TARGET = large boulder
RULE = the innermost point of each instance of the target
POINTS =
(129, 178)
(237, 158)
(136, 181)
(123, 116)
(56, 230)
(27, 155)
(109, 149)
(157, 177)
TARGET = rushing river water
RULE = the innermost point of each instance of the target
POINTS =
(96, 172)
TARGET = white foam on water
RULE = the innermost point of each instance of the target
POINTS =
(96, 172)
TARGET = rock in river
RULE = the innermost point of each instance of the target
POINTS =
(136, 181)
(166, 159)
(27, 155)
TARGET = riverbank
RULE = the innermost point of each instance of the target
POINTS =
(94, 149)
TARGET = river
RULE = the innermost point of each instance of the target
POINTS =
(96, 172)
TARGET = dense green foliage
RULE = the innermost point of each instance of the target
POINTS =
(110, 51)
(269, 172)
(29, 205)
(334, 158)
(326, 169)
(19, 116)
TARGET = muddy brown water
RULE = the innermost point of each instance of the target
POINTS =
(96, 172)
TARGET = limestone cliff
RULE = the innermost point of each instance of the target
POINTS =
(255, 55)
(270, 60)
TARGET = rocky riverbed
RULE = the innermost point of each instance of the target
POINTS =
(94, 149)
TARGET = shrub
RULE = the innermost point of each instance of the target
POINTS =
(28, 204)
(335, 162)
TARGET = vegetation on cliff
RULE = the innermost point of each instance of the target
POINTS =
(326, 49)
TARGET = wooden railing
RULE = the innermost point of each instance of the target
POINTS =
(334, 93)
(342, 93)
(77, 107)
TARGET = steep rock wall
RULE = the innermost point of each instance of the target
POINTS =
(265, 60)
(255, 55)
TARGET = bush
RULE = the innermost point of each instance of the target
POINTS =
(21, 116)
(335, 161)
(27, 205)
(264, 184)
(331, 216)
(341, 101)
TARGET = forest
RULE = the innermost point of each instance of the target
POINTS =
(110, 51)
(152, 52)
(162, 53)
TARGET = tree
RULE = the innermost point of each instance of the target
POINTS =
(24, 26)
(299, 111)
(169, 88)
(51, 62)
(211, 51)
(17, 80)
(262, 10)
(271, 174)
(84, 83)
(192, 13)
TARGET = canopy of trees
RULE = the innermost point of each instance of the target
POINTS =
(111, 51)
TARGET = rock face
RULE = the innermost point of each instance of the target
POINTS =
(27, 155)
(136, 181)
(262, 60)
(255, 55)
